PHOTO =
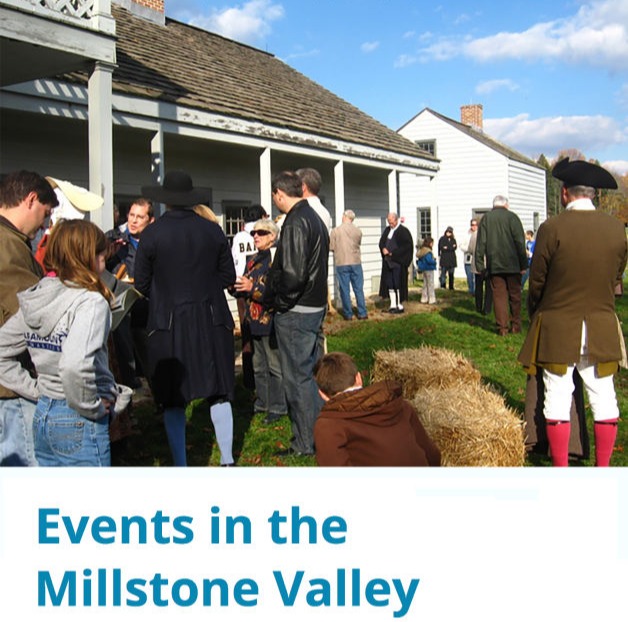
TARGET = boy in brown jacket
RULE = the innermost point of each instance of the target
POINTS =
(366, 426)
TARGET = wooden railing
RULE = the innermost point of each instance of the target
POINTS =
(76, 9)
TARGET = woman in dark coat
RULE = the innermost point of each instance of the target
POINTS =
(183, 264)
(447, 246)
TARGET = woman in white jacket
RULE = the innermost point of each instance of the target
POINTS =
(63, 323)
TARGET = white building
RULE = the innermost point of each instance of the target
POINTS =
(473, 169)
(110, 95)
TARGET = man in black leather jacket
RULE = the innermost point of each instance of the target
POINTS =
(296, 290)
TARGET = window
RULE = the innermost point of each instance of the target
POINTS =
(478, 212)
(233, 217)
(427, 145)
(424, 222)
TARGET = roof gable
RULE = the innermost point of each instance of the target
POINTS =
(479, 136)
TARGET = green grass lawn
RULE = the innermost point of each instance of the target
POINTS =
(452, 324)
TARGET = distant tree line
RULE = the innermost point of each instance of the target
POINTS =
(614, 202)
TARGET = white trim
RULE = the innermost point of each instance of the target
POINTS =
(69, 101)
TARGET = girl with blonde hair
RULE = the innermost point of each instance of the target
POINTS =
(63, 323)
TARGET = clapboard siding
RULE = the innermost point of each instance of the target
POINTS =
(472, 172)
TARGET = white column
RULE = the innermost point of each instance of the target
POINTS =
(265, 176)
(339, 191)
(100, 135)
(157, 164)
(392, 192)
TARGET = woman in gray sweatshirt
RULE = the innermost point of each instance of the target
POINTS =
(63, 323)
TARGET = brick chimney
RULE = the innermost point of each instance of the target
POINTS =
(472, 115)
(151, 10)
(157, 5)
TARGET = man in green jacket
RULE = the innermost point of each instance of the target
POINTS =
(26, 201)
(502, 241)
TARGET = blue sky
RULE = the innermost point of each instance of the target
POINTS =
(550, 75)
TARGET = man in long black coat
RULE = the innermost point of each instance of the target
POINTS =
(397, 248)
(182, 266)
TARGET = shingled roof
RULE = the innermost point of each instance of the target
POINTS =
(483, 138)
(191, 67)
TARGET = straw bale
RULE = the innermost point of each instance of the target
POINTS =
(424, 367)
(471, 425)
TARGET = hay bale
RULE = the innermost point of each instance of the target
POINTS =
(425, 367)
(471, 425)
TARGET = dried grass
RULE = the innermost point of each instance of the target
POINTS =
(471, 425)
(421, 368)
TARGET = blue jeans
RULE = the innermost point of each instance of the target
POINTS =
(470, 278)
(65, 438)
(16, 432)
(271, 397)
(299, 349)
(351, 275)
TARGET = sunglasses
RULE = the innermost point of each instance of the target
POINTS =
(260, 232)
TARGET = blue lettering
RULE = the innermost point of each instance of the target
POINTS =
(288, 598)
(45, 524)
(46, 586)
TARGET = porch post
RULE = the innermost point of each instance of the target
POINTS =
(157, 163)
(265, 177)
(393, 203)
(100, 135)
(339, 191)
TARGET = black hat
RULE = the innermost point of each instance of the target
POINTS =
(581, 173)
(177, 191)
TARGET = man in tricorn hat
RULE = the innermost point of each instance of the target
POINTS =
(579, 258)
(182, 266)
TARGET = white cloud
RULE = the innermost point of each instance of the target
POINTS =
(617, 166)
(301, 53)
(622, 96)
(549, 135)
(596, 35)
(405, 60)
(461, 19)
(248, 22)
(369, 46)
(489, 86)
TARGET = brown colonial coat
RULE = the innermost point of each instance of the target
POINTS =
(578, 258)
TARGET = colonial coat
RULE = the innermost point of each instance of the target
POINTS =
(579, 257)
(183, 264)
(401, 254)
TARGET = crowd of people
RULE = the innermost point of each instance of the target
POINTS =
(69, 366)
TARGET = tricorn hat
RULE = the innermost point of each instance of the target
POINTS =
(581, 173)
(177, 191)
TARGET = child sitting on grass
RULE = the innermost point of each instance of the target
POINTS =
(366, 426)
